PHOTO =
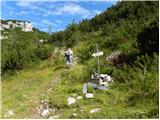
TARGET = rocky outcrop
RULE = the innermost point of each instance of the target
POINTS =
(116, 58)
(24, 25)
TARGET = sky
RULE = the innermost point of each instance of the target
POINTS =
(55, 13)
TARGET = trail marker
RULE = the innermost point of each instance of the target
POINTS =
(97, 54)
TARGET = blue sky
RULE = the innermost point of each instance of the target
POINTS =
(58, 14)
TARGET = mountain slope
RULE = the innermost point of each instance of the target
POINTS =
(21, 45)
(128, 27)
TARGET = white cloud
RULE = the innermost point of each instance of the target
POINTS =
(31, 5)
(11, 13)
(68, 9)
(48, 9)
(25, 3)
(23, 13)
(97, 12)
(58, 21)
(47, 22)
(73, 9)
(34, 23)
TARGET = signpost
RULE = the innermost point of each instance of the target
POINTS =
(91, 83)
(97, 55)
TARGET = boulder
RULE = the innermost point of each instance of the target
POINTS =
(71, 100)
(116, 58)
(45, 112)
(89, 95)
(9, 113)
(94, 110)
(74, 114)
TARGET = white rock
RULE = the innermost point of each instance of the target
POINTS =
(94, 110)
(82, 110)
(50, 89)
(89, 95)
(85, 88)
(25, 26)
(71, 100)
(9, 113)
(102, 75)
(45, 112)
(109, 78)
(105, 83)
(74, 114)
(41, 40)
(79, 97)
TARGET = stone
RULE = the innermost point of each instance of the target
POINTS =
(45, 112)
(74, 114)
(94, 110)
(9, 113)
(41, 40)
(116, 58)
(95, 85)
(82, 110)
(85, 88)
(89, 95)
(79, 97)
(71, 100)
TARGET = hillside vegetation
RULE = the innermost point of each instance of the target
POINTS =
(129, 27)
(23, 49)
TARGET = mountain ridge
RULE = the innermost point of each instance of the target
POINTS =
(25, 26)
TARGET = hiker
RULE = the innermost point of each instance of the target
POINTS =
(69, 57)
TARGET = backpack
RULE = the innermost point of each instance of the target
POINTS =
(67, 55)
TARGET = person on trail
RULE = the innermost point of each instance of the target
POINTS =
(69, 57)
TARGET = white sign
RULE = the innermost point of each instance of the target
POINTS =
(97, 54)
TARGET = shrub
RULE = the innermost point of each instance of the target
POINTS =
(44, 52)
(148, 39)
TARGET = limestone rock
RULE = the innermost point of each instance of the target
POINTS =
(9, 113)
(94, 110)
(71, 100)
(89, 95)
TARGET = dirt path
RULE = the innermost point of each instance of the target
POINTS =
(35, 111)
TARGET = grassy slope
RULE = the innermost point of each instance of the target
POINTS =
(22, 94)
(117, 102)
(113, 103)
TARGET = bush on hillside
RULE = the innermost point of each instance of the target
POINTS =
(18, 49)
(44, 52)
(148, 39)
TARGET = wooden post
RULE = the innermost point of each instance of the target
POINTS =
(98, 67)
